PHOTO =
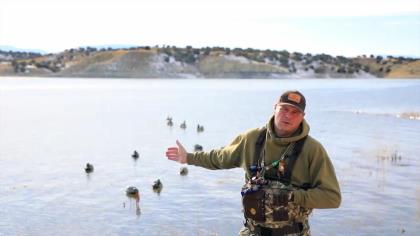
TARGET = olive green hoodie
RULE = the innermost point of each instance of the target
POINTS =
(313, 167)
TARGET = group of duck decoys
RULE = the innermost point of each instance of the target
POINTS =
(200, 128)
(89, 167)
(132, 191)
(183, 125)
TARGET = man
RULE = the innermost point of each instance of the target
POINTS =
(288, 173)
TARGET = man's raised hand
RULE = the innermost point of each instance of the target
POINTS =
(178, 153)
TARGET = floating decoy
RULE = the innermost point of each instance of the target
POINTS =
(89, 168)
(200, 128)
(135, 155)
(131, 191)
(183, 125)
(157, 186)
(198, 148)
(169, 121)
(183, 171)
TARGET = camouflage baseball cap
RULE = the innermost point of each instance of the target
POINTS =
(293, 98)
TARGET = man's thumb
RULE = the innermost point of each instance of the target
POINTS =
(179, 144)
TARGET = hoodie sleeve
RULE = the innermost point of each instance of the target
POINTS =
(324, 191)
(224, 158)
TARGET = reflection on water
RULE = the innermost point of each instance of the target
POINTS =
(136, 198)
(387, 154)
(50, 129)
(418, 202)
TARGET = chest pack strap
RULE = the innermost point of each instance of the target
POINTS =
(291, 158)
(259, 146)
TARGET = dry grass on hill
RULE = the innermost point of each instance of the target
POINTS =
(408, 70)
(213, 63)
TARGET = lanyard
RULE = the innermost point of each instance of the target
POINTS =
(276, 162)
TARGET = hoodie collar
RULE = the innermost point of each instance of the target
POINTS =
(300, 133)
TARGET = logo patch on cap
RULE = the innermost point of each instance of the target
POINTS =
(294, 97)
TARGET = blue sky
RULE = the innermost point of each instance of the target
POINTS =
(348, 28)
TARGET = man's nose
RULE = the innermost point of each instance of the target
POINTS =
(286, 114)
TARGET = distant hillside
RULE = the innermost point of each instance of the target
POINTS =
(216, 62)
(7, 48)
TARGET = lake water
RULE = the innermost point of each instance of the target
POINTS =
(50, 128)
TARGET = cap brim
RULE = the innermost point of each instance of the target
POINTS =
(291, 104)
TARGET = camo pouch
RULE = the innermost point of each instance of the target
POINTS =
(280, 199)
(253, 204)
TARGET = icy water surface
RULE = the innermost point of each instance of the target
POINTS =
(50, 129)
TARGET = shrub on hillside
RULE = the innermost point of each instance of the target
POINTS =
(207, 51)
(323, 57)
(284, 61)
(284, 53)
(297, 56)
(343, 60)
(366, 68)
(341, 69)
(320, 69)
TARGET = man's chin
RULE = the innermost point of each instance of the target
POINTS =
(285, 126)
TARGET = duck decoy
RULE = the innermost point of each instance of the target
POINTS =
(157, 186)
(200, 128)
(89, 168)
(131, 191)
(183, 125)
(183, 171)
(198, 148)
(169, 121)
(135, 154)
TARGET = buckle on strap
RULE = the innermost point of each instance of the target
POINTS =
(285, 230)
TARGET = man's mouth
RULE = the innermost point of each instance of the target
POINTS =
(285, 122)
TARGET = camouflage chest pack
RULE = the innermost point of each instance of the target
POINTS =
(267, 200)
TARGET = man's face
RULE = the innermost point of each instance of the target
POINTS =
(287, 119)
